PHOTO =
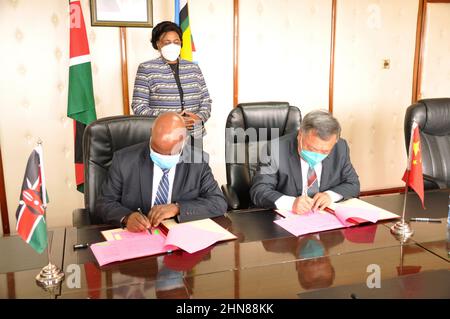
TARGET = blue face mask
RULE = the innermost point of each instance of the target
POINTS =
(312, 158)
(312, 249)
(164, 161)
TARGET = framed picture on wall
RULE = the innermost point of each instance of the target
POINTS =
(122, 13)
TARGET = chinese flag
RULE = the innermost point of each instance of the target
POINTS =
(413, 176)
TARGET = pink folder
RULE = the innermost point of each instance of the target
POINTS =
(313, 222)
(128, 248)
(191, 239)
(124, 245)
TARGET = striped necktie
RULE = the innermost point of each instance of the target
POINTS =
(162, 194)
(312, 182)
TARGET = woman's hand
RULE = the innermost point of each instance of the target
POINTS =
(190, 119)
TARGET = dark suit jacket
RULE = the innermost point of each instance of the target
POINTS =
(130, 181)
(282, 174)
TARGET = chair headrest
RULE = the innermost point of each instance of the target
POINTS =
(265, 115)
(107, 135)
(432, 115)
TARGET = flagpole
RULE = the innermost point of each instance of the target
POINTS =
(404, 200)
(50, 276)
(402, 229)
(44, 195)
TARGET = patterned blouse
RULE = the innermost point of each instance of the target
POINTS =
(156, 91)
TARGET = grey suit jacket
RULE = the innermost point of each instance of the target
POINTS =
(130, 181)
(280, 173)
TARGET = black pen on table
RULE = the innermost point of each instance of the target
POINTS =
(80, 246)
(426, 220)
(140, 212)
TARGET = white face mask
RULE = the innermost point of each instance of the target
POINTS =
(171, 51)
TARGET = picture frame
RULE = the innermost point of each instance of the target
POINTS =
(122, 13)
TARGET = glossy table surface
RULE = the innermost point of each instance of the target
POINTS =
(264, 262)
(19, 265)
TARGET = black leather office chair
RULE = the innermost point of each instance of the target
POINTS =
(433, 118)
(101, 139)
(260, 115)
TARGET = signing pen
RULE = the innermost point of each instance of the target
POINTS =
(427, 220)
(140, 211)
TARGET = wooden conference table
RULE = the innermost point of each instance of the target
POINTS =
(264, 262)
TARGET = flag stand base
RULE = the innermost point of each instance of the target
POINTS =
(402, 230)
(50, 276)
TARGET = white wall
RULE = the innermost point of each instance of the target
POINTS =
(370, 101)
(285, 52)
(436, 52)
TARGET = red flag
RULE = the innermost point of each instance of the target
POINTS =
(408, 270)
(94, 280)
(413, 176)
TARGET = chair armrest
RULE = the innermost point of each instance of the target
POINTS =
(435, 182)
(230, 196)
(80, 218)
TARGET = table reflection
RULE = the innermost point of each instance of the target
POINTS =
(313, 265)
(161, 277)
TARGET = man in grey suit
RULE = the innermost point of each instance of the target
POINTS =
(156, 180)
(307, 170)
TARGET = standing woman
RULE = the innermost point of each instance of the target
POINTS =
(169, 83)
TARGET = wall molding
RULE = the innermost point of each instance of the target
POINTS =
(124, 68)
(384, 191)
(235, 53)
(332, 47)
(418, 54)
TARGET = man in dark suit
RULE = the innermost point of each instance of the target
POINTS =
(307, 170)
(156, 180)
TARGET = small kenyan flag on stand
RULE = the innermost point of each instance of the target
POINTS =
(31, 224)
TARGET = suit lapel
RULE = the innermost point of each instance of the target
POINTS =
(324, 177)
(295, 165)
(180, 176)
(181, 173)
(146, 179)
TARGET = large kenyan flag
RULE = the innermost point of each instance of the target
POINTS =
(30, 213)
(81, 105)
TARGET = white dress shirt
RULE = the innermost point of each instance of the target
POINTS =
(157, 175)
(286, 202)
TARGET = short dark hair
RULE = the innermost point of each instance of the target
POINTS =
(164, 27)
(322, 122)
